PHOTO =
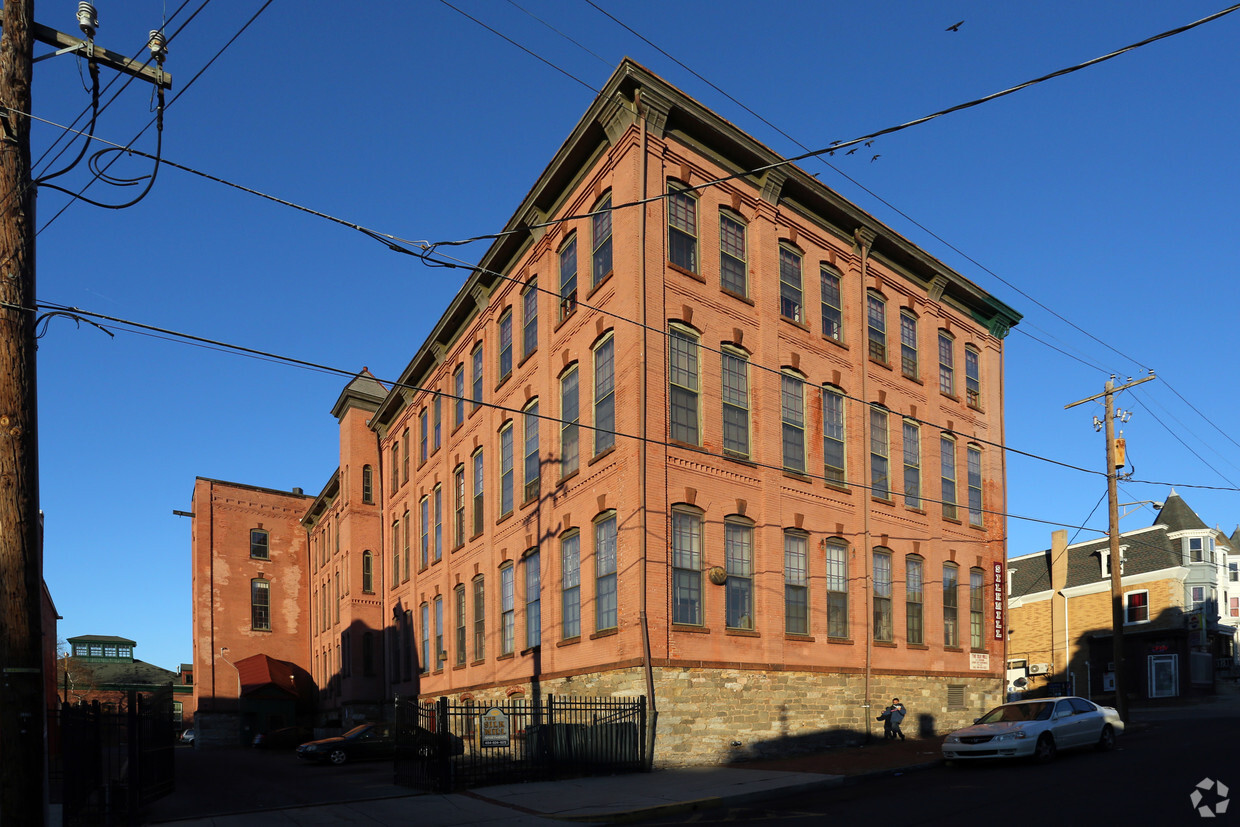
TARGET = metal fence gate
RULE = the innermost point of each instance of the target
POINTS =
(111, 763)
(442, 746)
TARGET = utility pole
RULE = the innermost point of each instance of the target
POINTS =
(1114, 463)
(23, 791)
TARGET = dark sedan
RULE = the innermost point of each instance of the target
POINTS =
(367, 742)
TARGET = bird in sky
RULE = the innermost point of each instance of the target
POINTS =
(875, 158)
(955, 27)
(869, 143)
(851, 151)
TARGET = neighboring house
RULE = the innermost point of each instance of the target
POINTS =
(102, 668)
(735, 449)
(1181, 610)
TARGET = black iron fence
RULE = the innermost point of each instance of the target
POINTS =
(108, 763)
(443, 746)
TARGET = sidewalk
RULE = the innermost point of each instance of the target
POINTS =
(608, 799)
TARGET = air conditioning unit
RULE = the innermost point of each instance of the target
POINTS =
(1038, 668)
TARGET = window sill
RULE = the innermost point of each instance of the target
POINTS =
(568, 476)
(885, 644)
(676, 443)
(676, 268)
(795, 323)
(845, 641)
(799, 638)
(953, 649)
(740, 460)
(737, 296)
(920, 646)
(568, 641)
(912, 378)
(508, 656)
(475, 536)
(503, 380)
(882, 364)
(599, 282)
(503, 518)
(458, 667)
(842, 487)
(797, 475)
(530, 650)
(526, 358)
(950, 396)
(598, 457)
(533, 499)
(741, 633)
(977, 408)
(696, 630)
(882, 500)
(565, 318)
(914, 510)
(977, 527)
(838, 343)
(478, 662)
(476, 406)
(605, 633)
(952, 520)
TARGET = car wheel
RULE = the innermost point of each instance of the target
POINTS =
(338, 756)
(1106, 741)
(426, 751)
(1044, 752)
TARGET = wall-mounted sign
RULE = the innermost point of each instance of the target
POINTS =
(998, 600)
(979, 660)
(494, 728)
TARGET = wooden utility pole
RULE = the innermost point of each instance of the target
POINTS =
(1114, 463)
(22, 754)
(23, 793)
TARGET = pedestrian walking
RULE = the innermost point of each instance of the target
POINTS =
(892, 717)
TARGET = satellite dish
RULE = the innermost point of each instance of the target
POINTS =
(1020, 683)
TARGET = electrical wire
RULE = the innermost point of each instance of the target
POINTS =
(144, 329)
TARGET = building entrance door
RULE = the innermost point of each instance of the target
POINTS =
(1164, 676)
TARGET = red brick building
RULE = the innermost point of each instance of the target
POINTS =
(249, 582)
(695, 428)
(735, 448)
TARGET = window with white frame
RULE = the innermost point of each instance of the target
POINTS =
(529, 319)
(951, 603)
(876, 325)
(832, 307)
(947, 364)
(833, 435)
(604, 395)
(791, 296)
(912, 464)
(738, 559)
(684, 387)
(914, 599)
(686, 566)
(1137, 606)
(947, 464)
(507, 608)
(475, 358)
(796, 583)
(735, 402)
(505, 343)
(600, 225)
(837, 588)
(884, 612)
(568, 278)
(505, 469)
(570, 584)
(908, 344)
(733, 272)
(972, 377)
(606, 614)
(973, 463)
(533, 601)
(570, 455)
(533, 459)
(792, 415)
(880, 454)
(682, 228)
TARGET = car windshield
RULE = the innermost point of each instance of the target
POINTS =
(1017, 713)
(356, 731)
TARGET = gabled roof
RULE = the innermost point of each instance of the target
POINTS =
(128, 674)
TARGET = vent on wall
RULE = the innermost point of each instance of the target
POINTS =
(955, 696)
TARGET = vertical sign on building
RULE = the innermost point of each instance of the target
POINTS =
(998, 600)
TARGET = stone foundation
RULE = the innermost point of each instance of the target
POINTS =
(716, 716)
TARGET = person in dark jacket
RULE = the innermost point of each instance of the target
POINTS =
(892, 717)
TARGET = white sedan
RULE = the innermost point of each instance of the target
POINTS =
(1037, 728)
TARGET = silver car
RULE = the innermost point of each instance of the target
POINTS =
(1037, 728)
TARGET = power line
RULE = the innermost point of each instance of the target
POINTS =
(215, 344)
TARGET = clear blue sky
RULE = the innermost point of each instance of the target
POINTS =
(1103, 200)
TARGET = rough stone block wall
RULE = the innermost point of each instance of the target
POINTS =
(716, 716)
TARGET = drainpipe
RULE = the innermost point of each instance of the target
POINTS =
(864, 238)
(653, 717)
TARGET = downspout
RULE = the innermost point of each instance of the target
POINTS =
(1003, 679)
(1067, 662)
(863, 244)
(653, 717)
(211, 596)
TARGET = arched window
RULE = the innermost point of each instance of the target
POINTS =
(368, 484)
(738, 560)
(884, 626)
(686, 565)
(914, 599)
(600, 226)
(682, 228)
(368, 571)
